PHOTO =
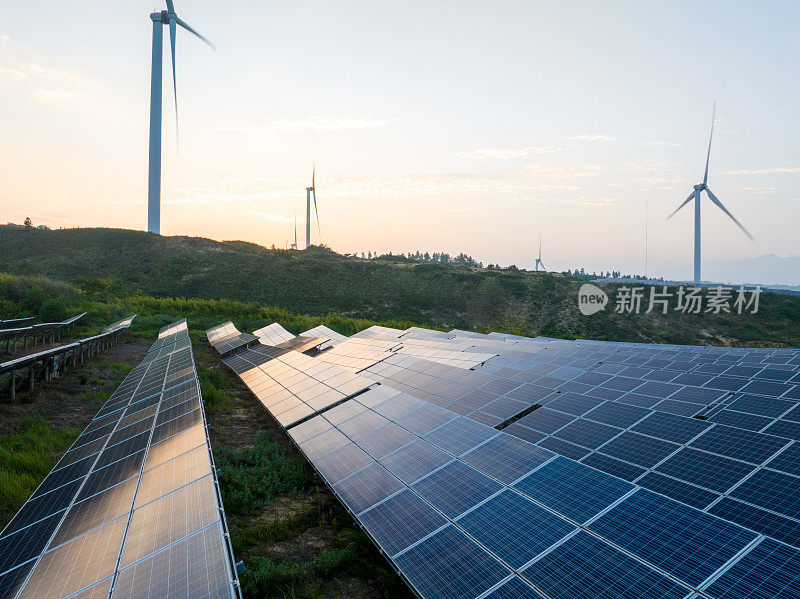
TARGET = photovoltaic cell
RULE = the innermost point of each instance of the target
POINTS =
(577, 491)
(584, 566)
(86, 513)
(771, 570)
(683, 541)
(514, 528)
(449, 564)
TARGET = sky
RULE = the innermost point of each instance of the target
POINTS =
(434, 125)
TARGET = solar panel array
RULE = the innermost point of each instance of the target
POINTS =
(227, 338)
(569, 469)
(133, 508)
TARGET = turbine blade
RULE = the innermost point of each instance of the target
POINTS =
(170, 6)
(708, 156)
(174, 84)
(188, 28)
(686, 201)
(725, 210)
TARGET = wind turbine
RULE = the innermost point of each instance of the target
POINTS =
(309, 191)
(294, 245)
(539, 259)
(700, 187)
(165, 17)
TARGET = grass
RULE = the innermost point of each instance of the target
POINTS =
(164, 278)
(27, 455)
(252, 478)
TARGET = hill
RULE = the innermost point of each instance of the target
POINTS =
(134, 270)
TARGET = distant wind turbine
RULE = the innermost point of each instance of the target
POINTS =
(294, 245)
(165, 17)
(309, 191)
(539, 259)
(700, 187)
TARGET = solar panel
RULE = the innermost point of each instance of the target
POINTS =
(464, 510)
(137, 487)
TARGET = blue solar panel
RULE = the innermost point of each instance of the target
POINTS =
(617, 414)
(638, 449)
(574, 404)
(788, 460)
(415, 460)
(613, 466)
(771, 490)
(448, 564)
(455, 488)
(759, 520)
(739, 444)
(685, 542)
(564, 448)
(400, 521)
(573, 489)
(785, 428)
(669, 427)
(705, 469)
(343, 462)
(585, 567)
(367, 487)
(514, 588)
(506, 458)
(587, 433)
(425, 419)
(545, 420)
(763, 406)
(514, 528)
(770, 570)
(678, 490)
(460, 435)
(738, 419)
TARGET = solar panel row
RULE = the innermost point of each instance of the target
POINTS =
(132, 509)
(463, 510)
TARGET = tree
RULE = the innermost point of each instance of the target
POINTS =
(28, 222)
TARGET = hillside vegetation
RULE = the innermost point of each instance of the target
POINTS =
(112, 272)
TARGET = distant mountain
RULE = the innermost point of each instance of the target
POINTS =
(764, 270)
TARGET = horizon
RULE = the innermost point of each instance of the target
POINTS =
(427, 146)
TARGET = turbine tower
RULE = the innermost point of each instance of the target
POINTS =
(539, 259)
(309, 191)
(294, 245)
(165, 17)
(695, 195)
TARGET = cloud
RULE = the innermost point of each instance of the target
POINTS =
(766, 171)
(506, 153)
(49, 96)
(34, 72)
(591, 137)
(4, 40)
(759, 190)
(659, 142)
(311, 124)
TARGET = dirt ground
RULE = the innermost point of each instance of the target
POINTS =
(74, 397)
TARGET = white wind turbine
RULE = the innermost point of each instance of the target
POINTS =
(294, 245)
(695, 195)
(539, 259)
(165, 17)
(309, 191)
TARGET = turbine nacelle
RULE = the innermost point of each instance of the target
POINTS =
(699, 187)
